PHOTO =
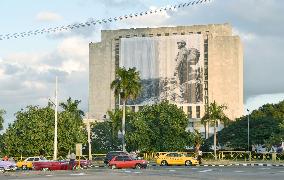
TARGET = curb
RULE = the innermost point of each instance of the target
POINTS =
(242, 164)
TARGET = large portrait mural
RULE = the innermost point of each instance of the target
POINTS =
(171, 67)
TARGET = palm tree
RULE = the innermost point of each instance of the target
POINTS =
(72, 107)
(213, 113)
(127, 85)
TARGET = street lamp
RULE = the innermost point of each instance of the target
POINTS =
(55, 122)
(248, 128)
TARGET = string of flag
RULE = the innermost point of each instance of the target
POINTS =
(94, 22)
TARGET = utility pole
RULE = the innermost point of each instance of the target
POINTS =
(55, 123)
(248, 129)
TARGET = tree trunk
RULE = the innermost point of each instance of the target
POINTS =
(123, 127)
(215, 140)
(205, 130)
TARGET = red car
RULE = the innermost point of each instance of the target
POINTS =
(126, 162)
(51, 165)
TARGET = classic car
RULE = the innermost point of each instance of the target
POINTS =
(51, 165)
(7, 166)
(176, 159)
(28, 163)
(126, 161)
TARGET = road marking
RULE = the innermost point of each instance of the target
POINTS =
(264, 168)
(206, 170)
(127, 171)
(239, 171)
(79, 174)
(49, 175)
(172, 170)
(281, 171)
(137, 172)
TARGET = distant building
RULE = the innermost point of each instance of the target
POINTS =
(188, 65)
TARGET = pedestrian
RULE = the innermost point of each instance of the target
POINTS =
(72, 161)
(5, 158)
(199, 156)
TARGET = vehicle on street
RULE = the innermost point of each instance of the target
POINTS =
(176, 158)
(84, 163)
(28, 163)
(112, 154)
(7, 166)
(51, 165)
(126, 161)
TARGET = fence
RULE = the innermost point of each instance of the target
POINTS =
(207, 156)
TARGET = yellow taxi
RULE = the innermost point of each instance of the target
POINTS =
(175, 158)
(28, 163)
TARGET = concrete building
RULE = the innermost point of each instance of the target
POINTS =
(188, 65)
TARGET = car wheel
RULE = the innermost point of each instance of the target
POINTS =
(2, 169)
(164, 163)
(45, 169)
(138, 166)
(188, 163)
(24, 167)
(113, 166)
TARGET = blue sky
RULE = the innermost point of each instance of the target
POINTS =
(28, 66)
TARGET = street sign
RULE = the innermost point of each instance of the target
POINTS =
(79, 149)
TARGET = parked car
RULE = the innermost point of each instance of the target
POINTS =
(176, 159)
(99, 161)
(51, 165)
(28, 163)
(84, 163)
(7, 166)
(126, 161)
(112, 154)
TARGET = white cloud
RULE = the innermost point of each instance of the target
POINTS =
(255, 102)
(245, 36)
(47, 16)
(150, 20)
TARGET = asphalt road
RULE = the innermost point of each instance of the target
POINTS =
(153, 173)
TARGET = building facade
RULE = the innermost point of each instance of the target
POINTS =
(188, 65)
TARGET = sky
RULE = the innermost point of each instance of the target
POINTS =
(29, 65)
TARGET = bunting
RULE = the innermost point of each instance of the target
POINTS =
(94, 22)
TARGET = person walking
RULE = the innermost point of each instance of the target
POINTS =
(199, 156)
(72, 161)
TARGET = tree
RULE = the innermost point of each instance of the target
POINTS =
(160, 127)
(127, 85)
(31, 133)
(215, 112)
(2, 112)
(198, 140)
(70, 126)
(103, 138)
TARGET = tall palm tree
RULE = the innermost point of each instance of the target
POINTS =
(127, 85)
(215, 112)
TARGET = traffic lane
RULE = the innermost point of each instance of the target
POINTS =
(165, 173)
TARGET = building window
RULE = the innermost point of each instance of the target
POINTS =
(174, 33)
(140, 108)
(158, 34)
(182, 33)
(197, 111)
(133, 108)
(143, 35)
(151, 35)
(167, 34)
(189, 111)
(127, 36)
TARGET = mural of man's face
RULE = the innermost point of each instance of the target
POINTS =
(180, 45)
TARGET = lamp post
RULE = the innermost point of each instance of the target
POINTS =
(248, 128)
(55, 124)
